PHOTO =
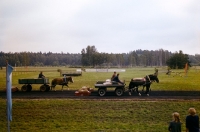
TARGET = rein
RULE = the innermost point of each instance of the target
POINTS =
(149, 78)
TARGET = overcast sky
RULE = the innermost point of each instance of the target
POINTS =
(112, 26)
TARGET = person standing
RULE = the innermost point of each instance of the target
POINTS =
(192, 121)
(175, 125)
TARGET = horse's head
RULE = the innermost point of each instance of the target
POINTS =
(70, 79)
(152, 77)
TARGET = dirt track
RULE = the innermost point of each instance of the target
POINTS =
(70, 94)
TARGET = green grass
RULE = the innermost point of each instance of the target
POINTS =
(173, 82)
(66, 115)
(85, 115)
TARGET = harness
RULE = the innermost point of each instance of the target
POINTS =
(149, 78)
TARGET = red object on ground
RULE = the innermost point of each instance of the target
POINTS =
(84, 91)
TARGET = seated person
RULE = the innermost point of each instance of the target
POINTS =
(41, 75)
(113, 76)
(64, 79)
(116, 79)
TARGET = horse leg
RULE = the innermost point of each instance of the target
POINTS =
(138, 91)
(147, 90)
(134, 89)
(67, 86)
(131, 88)
(143, 89)
(130, 91)
(54, 88)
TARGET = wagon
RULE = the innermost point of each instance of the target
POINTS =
(103, 86)
(72, 74)
(29, 81)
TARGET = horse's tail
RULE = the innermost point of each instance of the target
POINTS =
(52, 82)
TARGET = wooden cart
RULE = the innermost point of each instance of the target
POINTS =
(102, 87)
(29, 81)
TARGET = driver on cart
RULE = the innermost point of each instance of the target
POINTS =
(41, 75)
(116, 79)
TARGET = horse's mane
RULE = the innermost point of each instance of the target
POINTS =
(69, 78)
(152, 77)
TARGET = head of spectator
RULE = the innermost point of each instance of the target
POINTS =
(176, 116)
(192, 111)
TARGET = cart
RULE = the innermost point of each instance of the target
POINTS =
(29, 81)
(103, 86)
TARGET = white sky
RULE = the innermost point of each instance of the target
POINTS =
(112, 26)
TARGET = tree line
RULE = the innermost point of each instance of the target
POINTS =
(90, 57)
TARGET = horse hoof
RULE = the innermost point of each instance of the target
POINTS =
(139, 94)
(147, 94)
(129, 93)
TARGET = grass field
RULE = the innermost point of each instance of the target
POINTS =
(173, 82)
(66, 115)
(93, 116)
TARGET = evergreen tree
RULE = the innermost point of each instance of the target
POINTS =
(178, 60)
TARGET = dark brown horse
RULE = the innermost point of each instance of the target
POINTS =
(145, 82)
(61, 81)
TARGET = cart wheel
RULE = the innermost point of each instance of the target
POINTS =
(47, 88)
(43, 88)
(102, 91)
(24, 88)
(119, 91)
(29, 87)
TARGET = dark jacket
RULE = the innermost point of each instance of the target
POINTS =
(192, 123)
(116, 79)
(113, 76)
(174, 126)
(41, 75)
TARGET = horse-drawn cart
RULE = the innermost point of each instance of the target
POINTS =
(29, 81)
(102, 87)
(133, 85)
